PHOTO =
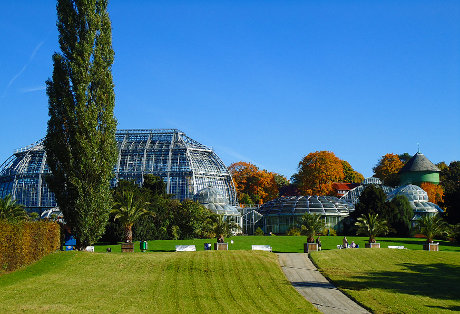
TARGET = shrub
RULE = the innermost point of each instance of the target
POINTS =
(23, 243)
(293, 231)
(329, 232)
(114, 232)
(259, 232)
(175, 231)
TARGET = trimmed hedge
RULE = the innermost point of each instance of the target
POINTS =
(26, 242)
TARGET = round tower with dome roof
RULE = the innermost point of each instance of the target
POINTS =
(418, 170)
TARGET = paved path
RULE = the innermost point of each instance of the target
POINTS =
(309, 282)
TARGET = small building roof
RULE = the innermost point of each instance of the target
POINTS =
(344, 186)
(419, 162)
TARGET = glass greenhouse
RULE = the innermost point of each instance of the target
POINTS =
(185, 165)
(417, 197)
(284, 212)
(214, 200)
(418, 200)
(352, 196)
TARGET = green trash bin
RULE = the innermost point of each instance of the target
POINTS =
(143, 246)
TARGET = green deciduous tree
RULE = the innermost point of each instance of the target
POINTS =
(404, 157)
(80, 140)
(372, 200)
(190, 217)
(398, 213)
(10, 210)
(350, 175)
(450, 180)
(154, 185)
(371, 225)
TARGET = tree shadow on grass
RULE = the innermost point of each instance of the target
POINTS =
(161, 250)
(408, 241)
(435, 280)
(420, 242)
(48, 264)
(453, 308)
(313, 284)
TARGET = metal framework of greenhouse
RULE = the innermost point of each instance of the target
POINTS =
(184, 164)
(250, 219)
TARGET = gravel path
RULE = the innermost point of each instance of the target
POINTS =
(309, 282)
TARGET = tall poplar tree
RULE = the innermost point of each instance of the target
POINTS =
(80, 141)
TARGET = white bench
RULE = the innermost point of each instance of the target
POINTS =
(398, 247)
(185, 248)
(267, 248)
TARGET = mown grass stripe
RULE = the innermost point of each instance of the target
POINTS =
(398, 281)
(211, 282)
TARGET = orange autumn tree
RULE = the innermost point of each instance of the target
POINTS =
(253, 186)
(387, 169)
(435, 192)
(317, 172)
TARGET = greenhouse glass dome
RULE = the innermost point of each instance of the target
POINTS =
(214, 200)
(185, 165)
(284, 212)
(418, 200)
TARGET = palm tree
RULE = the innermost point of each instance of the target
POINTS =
(10, 210)
(128, 210)
(432, 226)
(311, 225)
(219, 226)
(372, 226)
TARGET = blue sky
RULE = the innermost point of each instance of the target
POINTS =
(260, 81)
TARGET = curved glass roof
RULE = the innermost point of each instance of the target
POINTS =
(352, 196)
(214, 200)
(417, 197)
(185, 165)
(323, 205)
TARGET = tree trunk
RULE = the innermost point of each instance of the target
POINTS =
(129, 233)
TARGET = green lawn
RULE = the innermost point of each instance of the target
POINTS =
(395, 281)
(282, 243)
(189, 282)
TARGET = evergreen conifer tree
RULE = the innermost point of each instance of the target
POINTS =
(80, 141)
